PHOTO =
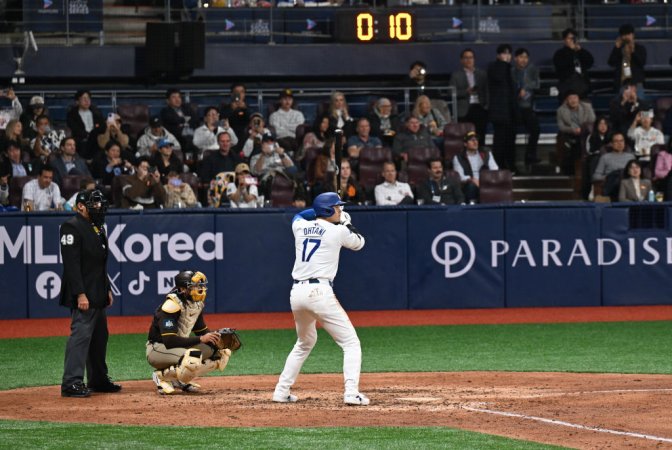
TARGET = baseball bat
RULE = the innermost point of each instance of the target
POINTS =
(339, 146)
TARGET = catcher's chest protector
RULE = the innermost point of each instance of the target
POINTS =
(190, 312)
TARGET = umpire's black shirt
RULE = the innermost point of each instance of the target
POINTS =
(84, 251)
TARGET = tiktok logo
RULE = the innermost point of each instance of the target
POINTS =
(137, 287)
(48, 285)
(451, 249)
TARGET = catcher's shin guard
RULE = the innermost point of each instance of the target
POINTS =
(221, 357)
(189, 365)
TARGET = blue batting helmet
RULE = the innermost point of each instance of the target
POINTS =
(324, 204)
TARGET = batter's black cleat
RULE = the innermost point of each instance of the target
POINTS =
(77, 390)
(108, 387)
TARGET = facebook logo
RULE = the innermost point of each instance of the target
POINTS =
(48, 285)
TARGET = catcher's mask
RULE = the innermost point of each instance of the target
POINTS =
(96, 205)
(194, 282)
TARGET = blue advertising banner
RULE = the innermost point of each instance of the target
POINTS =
(449, 263)
(153, 248)
(16, 254)
(550, 257)
(636, 263)
(50, 15)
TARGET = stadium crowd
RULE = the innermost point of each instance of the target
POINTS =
(229, 155)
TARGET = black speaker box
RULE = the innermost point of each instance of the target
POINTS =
(175, 47)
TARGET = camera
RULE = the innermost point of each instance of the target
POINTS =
(257, 122)
(249, 181)
(423, 71)
(236, 98)
(151, 169)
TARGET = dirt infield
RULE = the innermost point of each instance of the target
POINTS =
(577, 410)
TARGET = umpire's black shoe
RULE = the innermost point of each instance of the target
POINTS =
(108, 387)
(75, 390)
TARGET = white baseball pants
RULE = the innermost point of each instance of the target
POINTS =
(313, 303)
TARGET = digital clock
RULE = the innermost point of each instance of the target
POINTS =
(374, 26)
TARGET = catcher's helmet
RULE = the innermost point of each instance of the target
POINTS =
(195, 282)
(324, 204)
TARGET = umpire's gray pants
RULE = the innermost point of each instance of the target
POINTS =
(86, 348)
(160, 357)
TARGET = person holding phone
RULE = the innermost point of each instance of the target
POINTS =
(113, 132)
(243, 192)
(572, 63)
(236, 111)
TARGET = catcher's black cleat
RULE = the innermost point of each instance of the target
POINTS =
(77, 390)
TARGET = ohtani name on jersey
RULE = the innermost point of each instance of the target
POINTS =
(313, 231)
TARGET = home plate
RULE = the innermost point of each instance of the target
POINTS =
(420, 399)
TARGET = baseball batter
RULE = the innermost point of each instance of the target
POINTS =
(319, 234)
(176, 356)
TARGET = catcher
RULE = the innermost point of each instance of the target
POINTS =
(177, 356)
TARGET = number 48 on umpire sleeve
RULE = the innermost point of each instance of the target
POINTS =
(315, 245)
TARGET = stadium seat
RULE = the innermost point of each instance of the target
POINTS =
(192, 180)
(371, 164)
(135, 116)
(70, 185)
(453, 140)
(417, 163)
(282, 192)
(301, 131)
(16, 189)
(496, 186)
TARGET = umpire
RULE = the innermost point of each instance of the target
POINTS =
(85, 289)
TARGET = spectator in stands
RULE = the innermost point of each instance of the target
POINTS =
(628, 59)
(645, 136)
(42, 194)
(362, 139)
(624, 108)
(324, 169)
(319, 134)
(271, 160)
(85, 184)
(339, 116)
(414, 136)
(663, 173)
(572, 63)
(255, 131)
(225, 160)
(430, 117)
(633, 187)
(351, 191)
(469, 165)
(236, 112)
(384, 123)
(285, 120)
(13, 163)
(610, 166)
(46, 140)
(68, 162)
(417, 78)
(13, 110)
(85, 122)
(178, 118)
(205, 136)
(143, 190)
(113, 132)
(36, 108)
(391, 191)
(299, 200)
(574, 118)
(439, 189)
(243, 192)
(471, 87)
(598, 138)
(502, 108)
(112, 163)
(14, 133)
(165, 160)
(526, 79)
(178, 193)
(5, 175)
(152, 135)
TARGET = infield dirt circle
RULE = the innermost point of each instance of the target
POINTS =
(592, 411)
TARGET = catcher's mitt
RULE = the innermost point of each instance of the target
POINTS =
(228, 338)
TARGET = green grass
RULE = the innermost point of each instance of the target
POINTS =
(66, 436)
(623, 347)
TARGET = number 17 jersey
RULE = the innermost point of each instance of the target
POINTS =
(318, 245)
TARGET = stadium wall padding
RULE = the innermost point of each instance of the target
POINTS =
(415, 258)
